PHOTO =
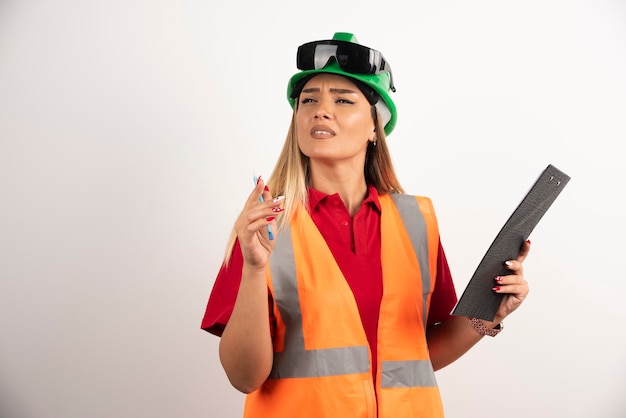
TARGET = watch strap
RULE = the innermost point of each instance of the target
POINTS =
(482, 329)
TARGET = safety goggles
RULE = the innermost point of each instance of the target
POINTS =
(351, 58)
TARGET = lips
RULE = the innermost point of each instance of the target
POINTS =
(321, 132)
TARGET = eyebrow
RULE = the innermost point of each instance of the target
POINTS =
(332, 90)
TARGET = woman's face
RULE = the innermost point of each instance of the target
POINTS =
(334, 120)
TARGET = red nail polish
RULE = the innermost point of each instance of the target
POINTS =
(528, 241)
(277, 210)
(496, 289)
(258, 180)
(267, 189)
(270, 218)
(498, 279)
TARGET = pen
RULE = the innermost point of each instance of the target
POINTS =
(269, 228)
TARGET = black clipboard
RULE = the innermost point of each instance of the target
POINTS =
(478, 300)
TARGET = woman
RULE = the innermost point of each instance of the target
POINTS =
(335, 297)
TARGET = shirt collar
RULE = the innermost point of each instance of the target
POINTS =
(316, 197)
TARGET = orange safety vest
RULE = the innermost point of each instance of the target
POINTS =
(322, 359)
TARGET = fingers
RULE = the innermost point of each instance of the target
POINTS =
(266, 196)
(264, 214)
(513, 284)
(510, 284)
(261, 209)
(516, 265)
(257, 192)
(524, 250)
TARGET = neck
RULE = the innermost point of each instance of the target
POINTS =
(348, 183)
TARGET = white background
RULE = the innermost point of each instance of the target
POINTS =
(129, 131)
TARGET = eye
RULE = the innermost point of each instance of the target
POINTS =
(306, 100)
(345, 101)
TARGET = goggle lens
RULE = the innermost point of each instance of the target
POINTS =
(352, 58)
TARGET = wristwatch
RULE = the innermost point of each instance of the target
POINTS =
(478, 325)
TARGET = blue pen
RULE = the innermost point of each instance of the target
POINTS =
(269, 228)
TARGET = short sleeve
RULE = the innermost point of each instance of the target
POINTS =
(224, 294)
(444, 296)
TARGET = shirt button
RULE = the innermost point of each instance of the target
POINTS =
(344, 223)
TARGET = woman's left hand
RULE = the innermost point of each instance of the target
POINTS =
(513, 286)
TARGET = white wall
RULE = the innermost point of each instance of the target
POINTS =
(129, 131)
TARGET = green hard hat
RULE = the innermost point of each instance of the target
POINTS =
(381, 83)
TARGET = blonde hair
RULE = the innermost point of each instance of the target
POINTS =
(291, 176)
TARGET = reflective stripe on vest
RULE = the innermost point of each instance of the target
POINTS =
(297, 362)
(409, 373)
(416, 228)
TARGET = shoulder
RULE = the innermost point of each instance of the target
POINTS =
(410, 204)
(406, 198)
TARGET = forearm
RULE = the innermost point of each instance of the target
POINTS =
(449, 340)
(246, 346)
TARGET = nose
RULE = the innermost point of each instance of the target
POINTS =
(321, 113)
(323, 110)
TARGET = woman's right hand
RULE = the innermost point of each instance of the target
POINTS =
(246, 349)
(251, 226)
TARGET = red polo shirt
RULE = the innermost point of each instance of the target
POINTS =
(355, 244)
